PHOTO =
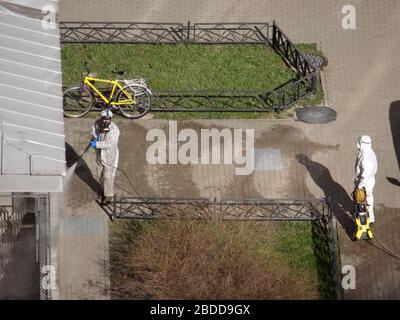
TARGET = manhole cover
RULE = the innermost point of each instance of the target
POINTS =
(316, 114)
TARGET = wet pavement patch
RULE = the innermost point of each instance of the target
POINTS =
(268, 159)
(81, 225)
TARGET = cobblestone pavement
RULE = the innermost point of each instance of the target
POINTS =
(362, 84)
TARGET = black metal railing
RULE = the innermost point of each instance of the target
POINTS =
(119, 32)
(157, 33)
(228, 33)
(11, 215)
(282, 44)
(249, 209)
(276, 99)
(334, 251)
(42, 211)
(11, 222)
(316, 212)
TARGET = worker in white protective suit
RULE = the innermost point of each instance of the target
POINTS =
(365, 170)
(105, 141)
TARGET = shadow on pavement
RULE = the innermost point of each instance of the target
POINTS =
(82, 170)
(340, 201)
(394, 118)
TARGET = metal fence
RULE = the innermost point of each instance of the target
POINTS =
(316, 212)
(11, 221)
(11, 215)
(170, 33)
(42, 211)
(268, 99)
(249, 209)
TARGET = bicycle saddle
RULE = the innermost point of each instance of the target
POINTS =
(90, 74)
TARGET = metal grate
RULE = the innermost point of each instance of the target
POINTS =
(43, 231)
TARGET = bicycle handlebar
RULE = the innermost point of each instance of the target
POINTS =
(119, 72)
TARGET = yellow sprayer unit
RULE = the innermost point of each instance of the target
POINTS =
(363, 231)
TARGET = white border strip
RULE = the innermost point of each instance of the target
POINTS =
(32, 42)
(32, 116)
(34, 79)
(33, 91)
(31, 54)
(33, 104)
(31, 66)
(34, 31)
(33, 129)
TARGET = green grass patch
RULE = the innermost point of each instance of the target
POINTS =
(180, 66)
(295, 245)
(187, 67)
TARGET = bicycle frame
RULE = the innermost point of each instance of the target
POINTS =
(115, 84)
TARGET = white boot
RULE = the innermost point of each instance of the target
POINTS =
(371, 214)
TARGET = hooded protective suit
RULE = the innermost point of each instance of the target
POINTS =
(106, 153)
(365, 170)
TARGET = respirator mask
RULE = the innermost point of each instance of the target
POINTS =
(105, 124)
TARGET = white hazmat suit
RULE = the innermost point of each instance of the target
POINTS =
(106, 155)
(365, 170)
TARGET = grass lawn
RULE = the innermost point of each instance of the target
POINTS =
(186, 67)
(212, 260)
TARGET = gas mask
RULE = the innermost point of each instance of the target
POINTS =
(105, 124)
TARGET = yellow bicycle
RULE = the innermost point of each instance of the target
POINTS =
(132, 97)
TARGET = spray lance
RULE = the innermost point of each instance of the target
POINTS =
(72, 167)
(84, 151)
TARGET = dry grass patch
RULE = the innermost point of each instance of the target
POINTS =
(181, 259)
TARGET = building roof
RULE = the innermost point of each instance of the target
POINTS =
(32, 137)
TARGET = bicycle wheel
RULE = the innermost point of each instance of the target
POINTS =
(77, 102)
(143, 98)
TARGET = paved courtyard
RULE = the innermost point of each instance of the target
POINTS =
(362, 83)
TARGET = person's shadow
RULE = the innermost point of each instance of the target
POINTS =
(394, 118)
(340, 201)
(81, 170)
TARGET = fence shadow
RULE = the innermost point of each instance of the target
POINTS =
(394, 119)
(323, 256)
(340, 201)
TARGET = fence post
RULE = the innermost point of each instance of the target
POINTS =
(188, 32)
(335, 251)
(215, 208)
(273, 35)
(115, 205)
(282, 104)
(314, 81)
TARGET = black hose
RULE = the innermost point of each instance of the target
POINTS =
(130, 182)
(388, 251)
